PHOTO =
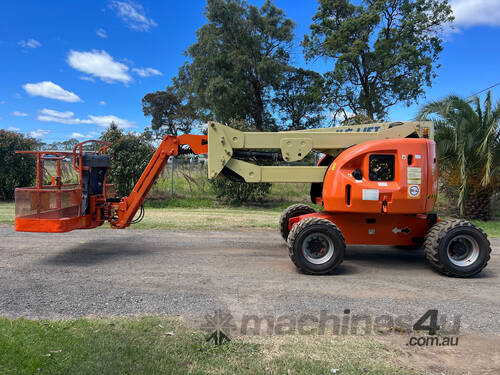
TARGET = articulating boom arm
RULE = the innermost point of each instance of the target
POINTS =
(170, 146)
(226, 145)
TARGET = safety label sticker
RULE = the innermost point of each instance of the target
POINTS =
(370, 194)
(414, 191)
(414, 175)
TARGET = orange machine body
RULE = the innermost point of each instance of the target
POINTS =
(381, 192)
(407, 185)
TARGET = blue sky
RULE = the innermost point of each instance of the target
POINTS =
(69, 67)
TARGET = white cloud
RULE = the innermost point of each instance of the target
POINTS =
(476, 12)
(54, 113)
(104, 121)
(99, 64)
(102, 102)
(147, 72)
(19, 114)
(13, 129)
(30, 43)
(133, 15)
(38, 133)
(50, 115)
(49, 89)
(102, 33)
(89, 135)
(87, 78)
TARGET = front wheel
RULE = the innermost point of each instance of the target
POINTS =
(292, 211)
(457, 248)
(316, 246)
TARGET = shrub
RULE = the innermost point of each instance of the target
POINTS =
(15, 169)
(239, 192)
(131, 154)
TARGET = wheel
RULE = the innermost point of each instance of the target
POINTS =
(316, 246)
(292, 211)
(457, 248)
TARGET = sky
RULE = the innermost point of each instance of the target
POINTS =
(69, 68)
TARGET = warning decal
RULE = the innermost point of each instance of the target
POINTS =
(370, 194)
(414, 175)
(414, 191)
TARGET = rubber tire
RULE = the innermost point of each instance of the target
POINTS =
(298, 234)
(292, 211)
(436, 243)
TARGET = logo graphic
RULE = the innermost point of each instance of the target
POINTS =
(220, 324)
(414, 191)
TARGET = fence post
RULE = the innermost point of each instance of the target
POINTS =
(172, 177)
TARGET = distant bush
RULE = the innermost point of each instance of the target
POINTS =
(15, 169)
(239, 192)
(131, 154)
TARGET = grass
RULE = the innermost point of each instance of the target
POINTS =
(152, 345)
(204, 214)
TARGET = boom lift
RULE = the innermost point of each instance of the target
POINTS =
(377, 184)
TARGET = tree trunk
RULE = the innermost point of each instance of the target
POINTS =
(478, 206)
(258, 113)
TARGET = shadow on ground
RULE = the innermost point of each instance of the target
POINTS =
(96, 252)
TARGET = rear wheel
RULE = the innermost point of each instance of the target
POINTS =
(316, 246)
(292, 211)
(457, 248)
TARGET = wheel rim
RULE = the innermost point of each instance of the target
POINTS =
(463, 250)
(317, 248)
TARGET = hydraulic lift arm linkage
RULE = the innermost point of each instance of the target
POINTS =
(226, 146)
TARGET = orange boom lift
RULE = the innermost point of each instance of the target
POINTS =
(377, 185)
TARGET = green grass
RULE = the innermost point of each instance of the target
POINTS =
(204, 214)
(492, 228)
(7, 212)
(151, 345)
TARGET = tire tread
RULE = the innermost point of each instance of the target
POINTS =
(437, 233)
(297, 228)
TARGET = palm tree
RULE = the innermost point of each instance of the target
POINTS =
(468, 144)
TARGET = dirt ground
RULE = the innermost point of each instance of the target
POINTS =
(195, 273)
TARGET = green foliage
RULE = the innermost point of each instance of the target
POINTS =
(15, 169)
(299, 98)
(239, 192)
(384, 51)
(131, 154)
(468, 143)
(171, 112)
(238, 59)
(59, 146)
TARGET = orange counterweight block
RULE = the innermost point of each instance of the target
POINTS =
(381, 192)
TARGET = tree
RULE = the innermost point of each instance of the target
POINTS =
(15, 169)
(238, 59)
(130, 153)
(468, 143)
(299, 99)
(171, 112)
(384, 51)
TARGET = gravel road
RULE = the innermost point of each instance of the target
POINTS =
(111, 272)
